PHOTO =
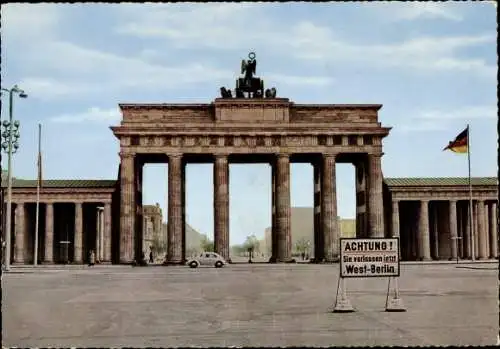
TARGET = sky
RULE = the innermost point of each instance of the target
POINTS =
(432, 65)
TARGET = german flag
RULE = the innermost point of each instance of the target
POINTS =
(460, 144)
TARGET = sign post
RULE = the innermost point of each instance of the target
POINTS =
(375, 257)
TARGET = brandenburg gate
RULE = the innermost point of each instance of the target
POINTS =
(253, 126)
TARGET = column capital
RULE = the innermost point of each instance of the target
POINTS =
(330, 155)
(282, 155)
(124, 155)
(221, 157)
(174, 155)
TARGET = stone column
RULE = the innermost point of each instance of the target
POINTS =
(460, 230)
(435, 227)
(375, 198)
(476, 230)
(101, 235)
(423, 232)
(49, 233)
(127, 208)
(329, 209)
(453, 228)
(20, 233)
(467, 233)
(183, 205)
(493, 230)
(274, 225)
(283, 208)
(483, 252)
(395, 223)
(319, 246)
(174, 244)
(221, 206)
(78, 244)
(98, 236)
(107, 232)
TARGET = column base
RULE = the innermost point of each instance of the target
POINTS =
(424, 259)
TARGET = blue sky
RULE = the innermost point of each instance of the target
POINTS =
(432, 65)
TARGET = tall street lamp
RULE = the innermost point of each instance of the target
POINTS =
(10, 146)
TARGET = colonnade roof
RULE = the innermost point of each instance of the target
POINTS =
(62, 183)
(439, 181)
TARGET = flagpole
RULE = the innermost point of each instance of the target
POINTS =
(471, 226)
(37, 219)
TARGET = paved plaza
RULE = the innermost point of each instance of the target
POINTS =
(245, 305)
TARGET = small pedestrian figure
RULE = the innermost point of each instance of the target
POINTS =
(91, 258)
(151, 260)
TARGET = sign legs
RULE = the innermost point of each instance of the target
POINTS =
(342, 305)
(394, 304)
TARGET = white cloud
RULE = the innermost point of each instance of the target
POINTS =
(18, 21)
(437, 120)
(319, 81)
(464, 113)
(225, 27)
(422, 126)
(409, 11)
(48, 88)
(94, 115)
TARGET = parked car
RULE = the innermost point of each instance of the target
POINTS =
(207, 258)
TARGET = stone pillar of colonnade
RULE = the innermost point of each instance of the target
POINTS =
(274, 225)
(453, 228)
(98, 236)
(375, 198)
(183, 214)
(49, 234)
(395, 223)
(493, 230)
(107, 232)
(424, 249)
(127, 208)
(435, 229)
(78, 241)
(283, 209)
(318, 232)
(174, 223)
(137, 240)
(476, 229)
(221, 206)
(20, 233)
(329, 209)
(482, 231)
(361, 199)
(467, 232)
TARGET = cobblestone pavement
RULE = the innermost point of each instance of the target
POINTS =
(245, 305)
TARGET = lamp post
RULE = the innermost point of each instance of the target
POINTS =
(10, 146)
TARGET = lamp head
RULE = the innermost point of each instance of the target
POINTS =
(23, 95)
(17, 123)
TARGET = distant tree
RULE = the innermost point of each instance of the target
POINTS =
(252, 245)
(206, 244)
(302, 245)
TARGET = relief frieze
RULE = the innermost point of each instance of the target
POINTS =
(250, 141)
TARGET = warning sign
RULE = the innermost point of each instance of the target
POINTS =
(369, 257)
